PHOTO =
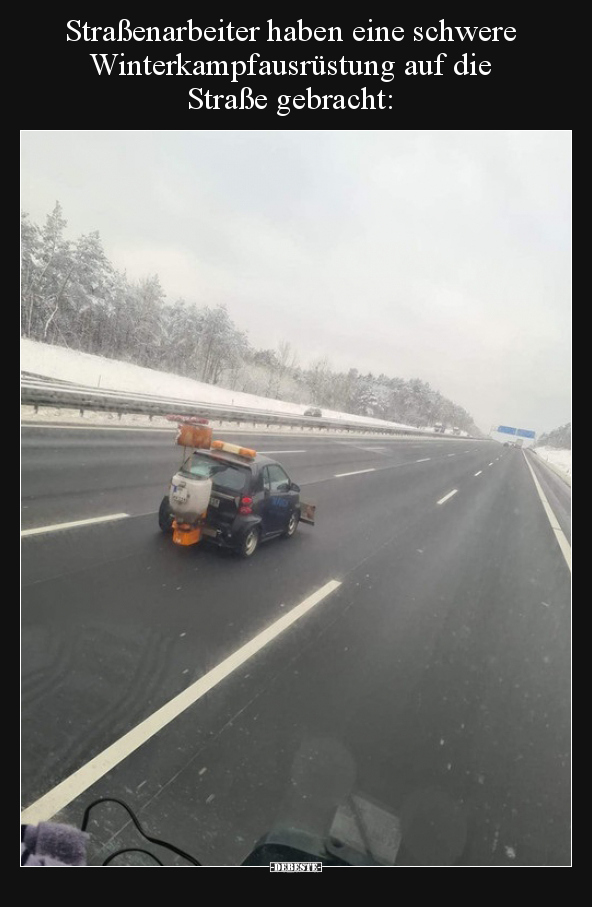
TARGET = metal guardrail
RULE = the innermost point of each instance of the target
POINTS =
(39, 391)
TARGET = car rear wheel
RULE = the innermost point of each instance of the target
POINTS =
(250, 543)
(292, 525)
(165, 515)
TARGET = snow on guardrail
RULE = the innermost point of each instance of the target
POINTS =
(38, 391)
(45, 392)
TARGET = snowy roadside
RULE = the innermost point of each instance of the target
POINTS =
(111, 374)
(48, 415)
(558, 459)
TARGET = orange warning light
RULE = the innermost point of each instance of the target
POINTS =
(234, 448)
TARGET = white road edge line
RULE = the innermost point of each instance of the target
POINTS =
(57, 526)
(64, 793)
(447, 496)
(425, 460)
(559, 534)
(479, 473)
(358, 472)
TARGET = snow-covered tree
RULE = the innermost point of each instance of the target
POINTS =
(48, 266)
(71, 294)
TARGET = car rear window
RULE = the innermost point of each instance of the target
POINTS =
(224, 476)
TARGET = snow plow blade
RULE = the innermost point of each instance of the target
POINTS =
(307, 513)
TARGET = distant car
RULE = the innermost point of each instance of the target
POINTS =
(313, 411)
(251, 501)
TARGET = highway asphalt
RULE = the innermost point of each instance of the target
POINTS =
(433, 679)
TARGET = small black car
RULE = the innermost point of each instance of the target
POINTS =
(252, 500)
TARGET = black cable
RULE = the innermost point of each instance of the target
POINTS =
(130, 850)
(133, 817)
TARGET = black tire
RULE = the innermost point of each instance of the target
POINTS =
(165, 516)
(249, 543)
(292, 525)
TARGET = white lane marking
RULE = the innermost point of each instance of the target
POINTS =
(425, 460)
(356, 446)
(490, 464)
(479, 473)
(281, 451)
(447, 496)
(74, 525)
(340, 475)
(559, 534)
(62, 794)
(450, 455)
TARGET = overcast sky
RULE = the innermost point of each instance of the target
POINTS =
(443, 256)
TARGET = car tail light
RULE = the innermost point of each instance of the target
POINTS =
(246, 505)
